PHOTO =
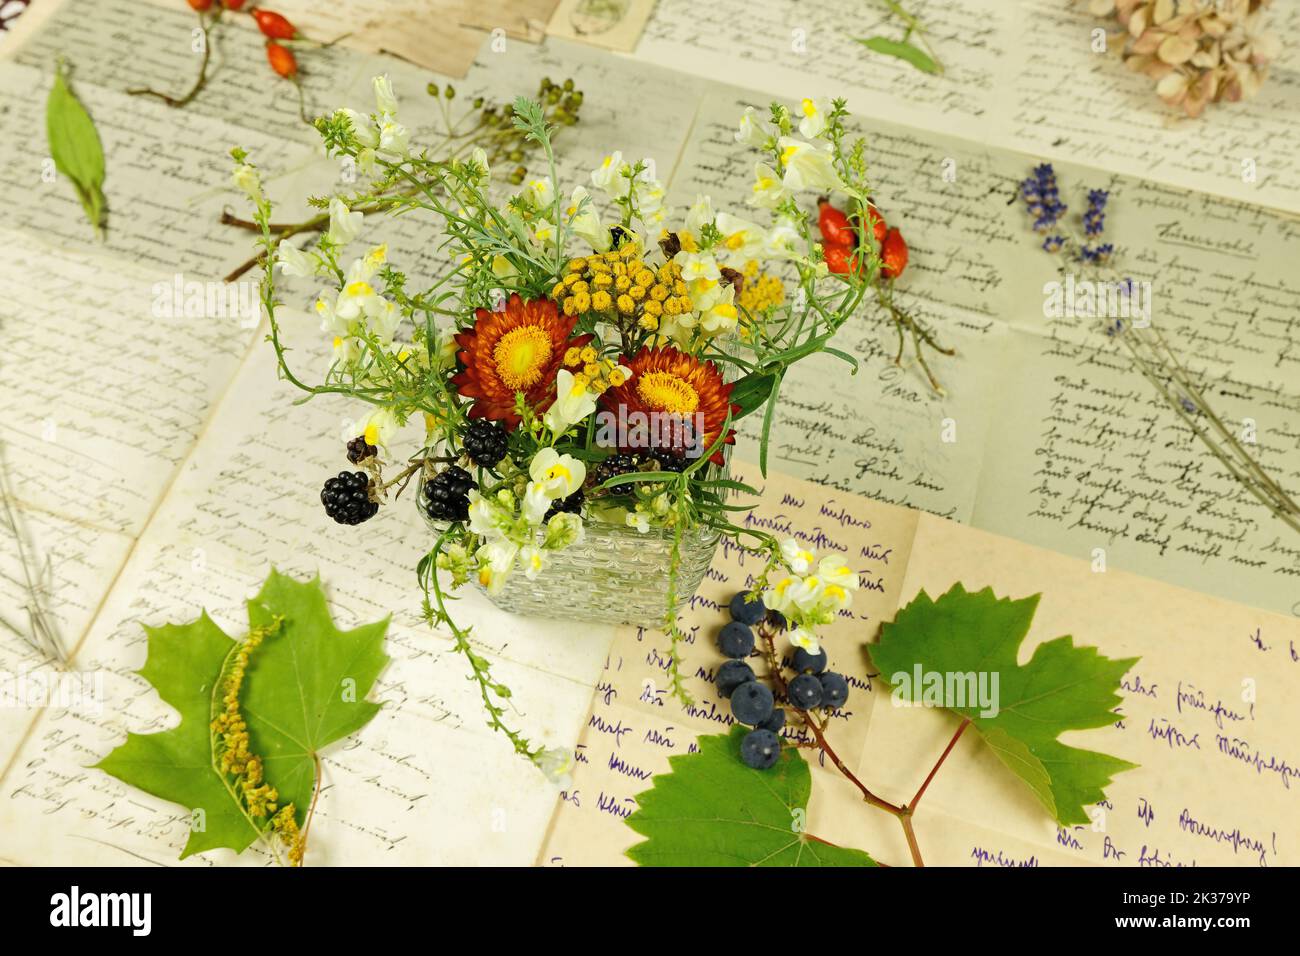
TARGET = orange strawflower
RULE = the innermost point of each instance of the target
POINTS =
(671, 382)
(519, 350)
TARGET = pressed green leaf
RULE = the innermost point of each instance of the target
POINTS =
(712, 810)
(75, 147)
(901, 50)
(183, 664)
(1061, 688)
(305, 687)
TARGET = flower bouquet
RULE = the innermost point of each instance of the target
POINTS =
(580, 367)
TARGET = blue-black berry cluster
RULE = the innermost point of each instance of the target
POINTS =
(446, 496)
(346, 497)
(752, 702)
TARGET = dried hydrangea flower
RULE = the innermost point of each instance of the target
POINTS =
(1198, 51)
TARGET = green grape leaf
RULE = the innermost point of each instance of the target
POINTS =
(75, 147)
(305, 687)
(901, 50)
(1061, 688)
(712, 810)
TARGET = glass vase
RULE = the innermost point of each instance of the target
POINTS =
(615, 575)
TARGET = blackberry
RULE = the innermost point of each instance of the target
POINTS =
(571, 504)
(447, 495)
(485, 442)
(346, 497)
(624, 464)
(667, 461)
(612, 467)
(359, 450)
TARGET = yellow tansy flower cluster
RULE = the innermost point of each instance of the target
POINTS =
(761, 290)
(619, 284)
(258, 796)
(592, 372)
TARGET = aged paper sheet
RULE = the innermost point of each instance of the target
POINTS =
(197, 475)
(1208, 711)
(1020, 75)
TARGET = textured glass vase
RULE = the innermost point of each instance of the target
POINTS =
(616, 575)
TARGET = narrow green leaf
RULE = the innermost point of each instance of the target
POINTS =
(901, 50)
(769, 414)
(75, 147)
(712, 810)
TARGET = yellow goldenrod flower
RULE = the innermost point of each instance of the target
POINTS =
(626, 304)
(601, 301)
(588, 355)
(573, 356)
(637, 292)
(581, 302)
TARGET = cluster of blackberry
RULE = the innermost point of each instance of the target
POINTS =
(625, 464)
(752, 701)
(360, 450)
(446, 497)
(485, 442)
(346, 498)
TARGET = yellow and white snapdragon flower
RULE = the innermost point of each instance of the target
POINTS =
(811, 600)
(813, 123)
(808, 166)
(768, 190)
(246, 178)
(294, 262)
(508, 527)
(754, 131)
(584, 220)
(344, 223)
(358, 304)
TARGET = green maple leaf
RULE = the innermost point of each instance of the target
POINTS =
(712, 810)
(1062, 688)
(305, 687)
